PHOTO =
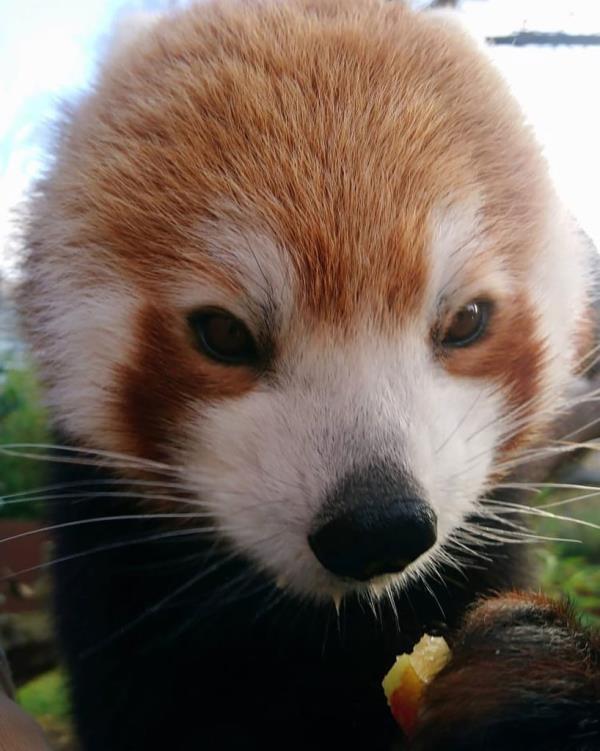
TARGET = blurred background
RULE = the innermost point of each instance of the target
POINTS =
(549, 50)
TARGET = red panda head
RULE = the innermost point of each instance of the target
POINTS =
(307, 253)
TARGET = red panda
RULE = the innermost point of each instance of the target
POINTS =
(298, 276)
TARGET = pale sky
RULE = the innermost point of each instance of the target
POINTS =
(48, 52)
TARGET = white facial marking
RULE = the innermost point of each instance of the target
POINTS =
(84, 329)
(561, 274)
(463, 262)
(264, 463)
(253, 261)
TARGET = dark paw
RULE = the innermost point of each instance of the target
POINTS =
(524, 675)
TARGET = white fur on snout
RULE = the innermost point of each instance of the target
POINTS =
(265, 463)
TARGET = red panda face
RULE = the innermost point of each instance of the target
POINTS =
(307, 253)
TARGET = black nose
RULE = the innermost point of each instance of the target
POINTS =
(376, 523)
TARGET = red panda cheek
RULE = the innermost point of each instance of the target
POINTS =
(513, 355)
(166, 380)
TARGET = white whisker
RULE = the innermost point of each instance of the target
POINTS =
(98, 520)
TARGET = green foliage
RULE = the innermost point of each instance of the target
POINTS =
(46, 696)
(22, 420)
(576, 578)
(571, 564)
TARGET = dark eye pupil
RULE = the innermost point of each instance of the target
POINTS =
(223, 337)
(467, 325)
(465, 321)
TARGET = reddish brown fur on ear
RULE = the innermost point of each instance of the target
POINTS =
(522, 666)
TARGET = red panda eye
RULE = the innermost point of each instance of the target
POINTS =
(223, 337)
(468, 325)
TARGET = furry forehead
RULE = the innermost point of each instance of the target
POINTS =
(334, 127)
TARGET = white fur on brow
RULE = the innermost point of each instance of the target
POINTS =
(253, 260)
(458, 246)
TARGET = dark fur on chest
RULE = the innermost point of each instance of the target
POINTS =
(172, 644)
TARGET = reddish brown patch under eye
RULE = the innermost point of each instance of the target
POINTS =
(512, 354)
(166, 376)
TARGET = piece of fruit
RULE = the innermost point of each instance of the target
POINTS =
(405, 682)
